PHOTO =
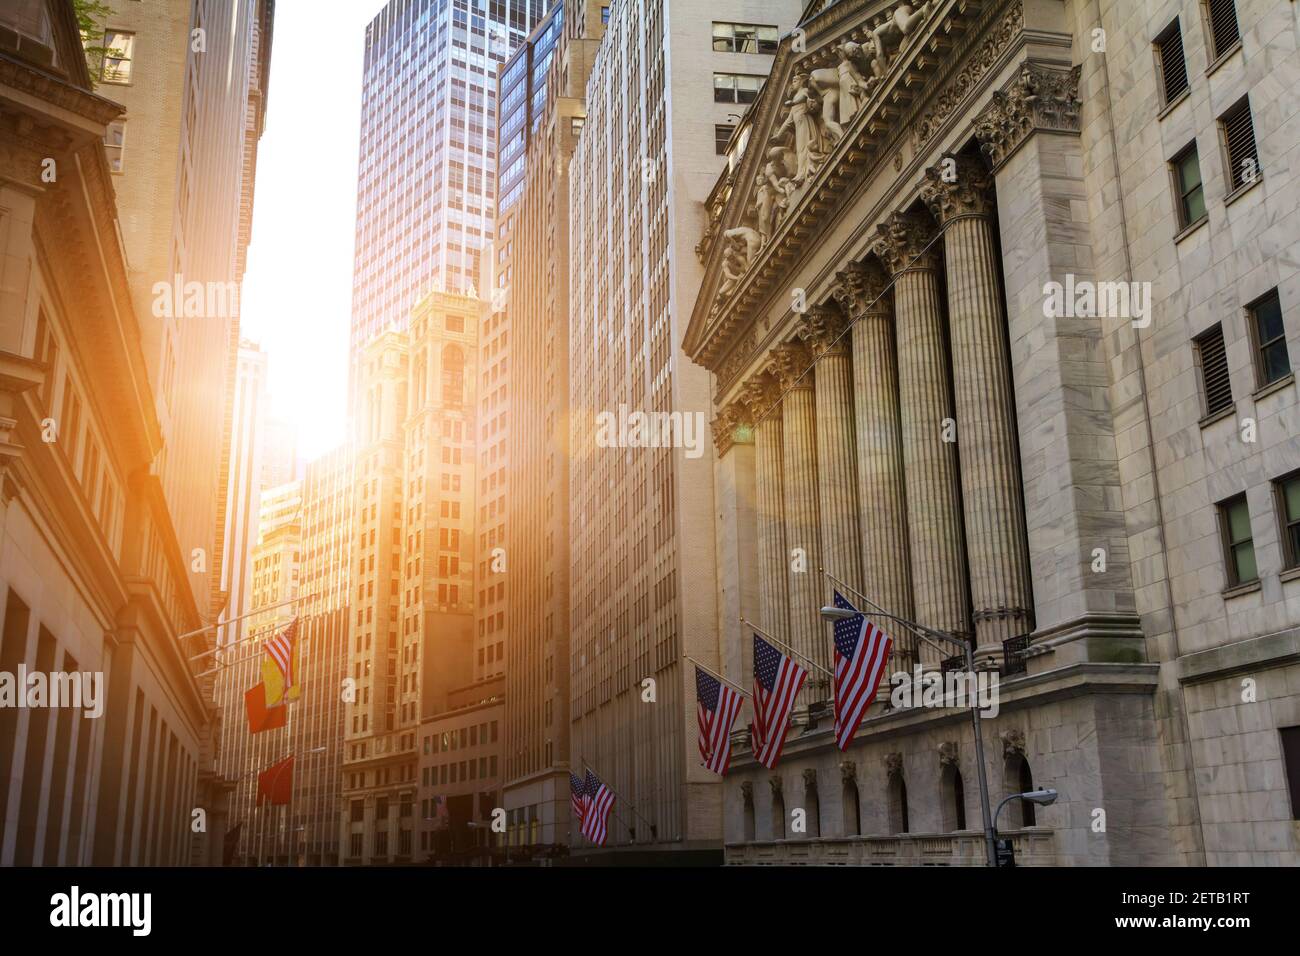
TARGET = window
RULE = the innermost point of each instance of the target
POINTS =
(736, 87)
(1212, 361)
(1187, 183)
(1291, 760)
(1287, 492)
(1238, 545)
(1237, 131)
(744, 38)
(1224, 33)
(115, 144)
(1269, 335)
(1170, 62)
(721, 137)
(118, 50)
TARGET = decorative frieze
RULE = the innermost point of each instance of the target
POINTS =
(1039, 98)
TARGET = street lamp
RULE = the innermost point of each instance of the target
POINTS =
(929, 635)
(1043, 798)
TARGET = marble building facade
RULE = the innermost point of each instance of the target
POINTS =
(1102, 500)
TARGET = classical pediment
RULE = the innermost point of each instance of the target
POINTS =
(839, 88)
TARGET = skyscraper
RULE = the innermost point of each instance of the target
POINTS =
(642, 541)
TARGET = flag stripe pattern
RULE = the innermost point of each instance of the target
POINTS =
(717, 707)
(280, 649)
(861, 652)
(599, 801)
(577, 797)
(777, 680)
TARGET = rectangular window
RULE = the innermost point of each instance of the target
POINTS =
(1212, 362)
(745, 38)
(721, 137)
(1187, 181)
(1238, 544)
(1221, 16)
(1170, 62)
(1269, 335)
(1291, 760)
(1237, 131)
(119, 48)
(115, 144)
(1287, 494)
(736, 87)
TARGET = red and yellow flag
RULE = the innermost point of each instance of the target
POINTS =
(261, 717)
(280, 666)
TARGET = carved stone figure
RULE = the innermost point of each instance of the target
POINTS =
(826, 84)
(889, 32)
(804, 122)
(742, 244)
(854, 87)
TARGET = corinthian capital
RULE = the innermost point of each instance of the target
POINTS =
(789, 363)
(733, 426)
(760, 394)
(1040, 98)
(903, 242)
(860, 290)
(823, 330)
(959, 185)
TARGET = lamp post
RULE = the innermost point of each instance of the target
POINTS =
(1044, 797)
(929, 635)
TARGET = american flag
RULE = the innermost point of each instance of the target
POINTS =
(861, 651)
(577, 797)
(599, 800)
(280, 649)
(716, 708)
(777, 680)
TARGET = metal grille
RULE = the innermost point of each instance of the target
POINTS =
(1223, 25)
(1173, 67)
(1015, 651)
(1214, 370)
(1239, 133)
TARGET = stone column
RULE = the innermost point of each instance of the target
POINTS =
(862, 292)
(960, 194)
(792, 364)
(735, 542)
(761, 394)
(826, 333)
(936, 551)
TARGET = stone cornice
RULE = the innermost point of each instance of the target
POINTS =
(1039, 97)
(51, 90)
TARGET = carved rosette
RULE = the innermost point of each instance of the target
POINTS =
(860, 289)
(1040, 98)
(790, 362)
(848, 771)
(823, 331)
(893, 764)
(948, 754)
(760, 393)
(733, 426)
(903, 243)
(960, 185)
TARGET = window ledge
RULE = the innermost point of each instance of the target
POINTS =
(1271, 387)
(1170, 106)
(1190, 228)
(1221, 414)
(1241, 190)
(1223, 57)
(1237, 590)
(1291, 574)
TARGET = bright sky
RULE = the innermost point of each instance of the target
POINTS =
(297, 293)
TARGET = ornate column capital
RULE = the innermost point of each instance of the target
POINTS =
(734, 425)
(823, 330)
(775, 783)
(902, 243)
(948, 754)
(789, 363)
(809, 779)
(960, 185)
(1039, 98)
(860, 289)
(1013, 743)
(848, 771)
(760, 393)
(893, 763)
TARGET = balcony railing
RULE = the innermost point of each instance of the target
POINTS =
(1033, 847)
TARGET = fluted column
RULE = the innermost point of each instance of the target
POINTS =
(886, 572)
(792, 365)
(990, 461)
(936, 552)
(826, 333)
(761, 394)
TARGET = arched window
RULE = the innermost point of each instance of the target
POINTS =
(747, 793)
(1017, 778)
(778, 809)
(453, 376)
(898, 803)
(852, 809)
(812, 804)
(954, 798)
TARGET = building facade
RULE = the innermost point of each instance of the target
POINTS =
(641, 538)
(1095, 487)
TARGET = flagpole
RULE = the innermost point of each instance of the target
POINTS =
(217, 624)
(915, 628)
(713, 673)
(803, 657)
(653, 829)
